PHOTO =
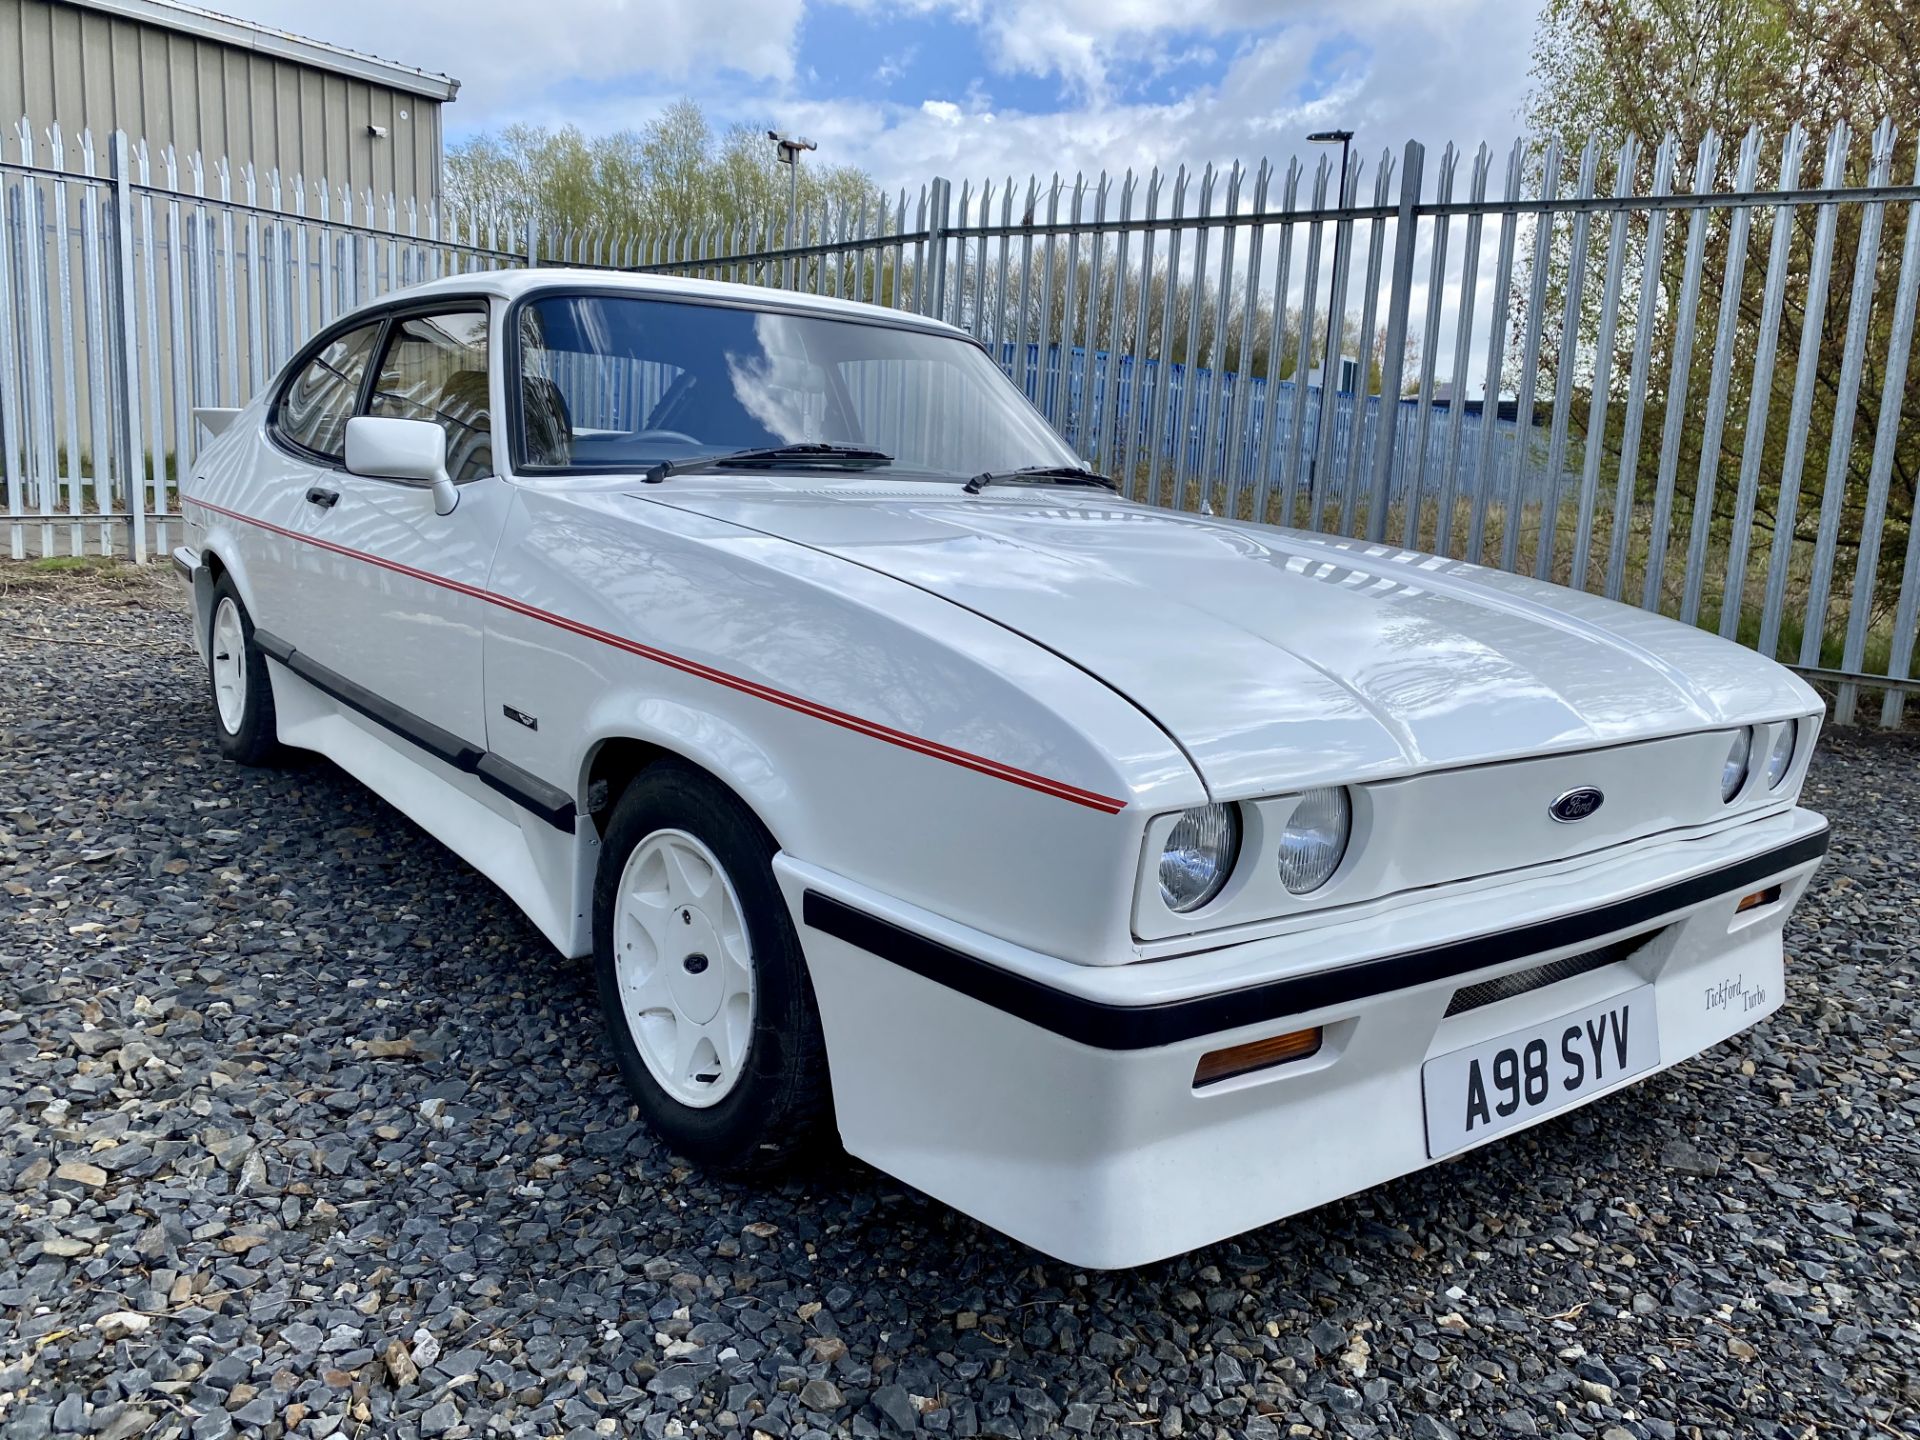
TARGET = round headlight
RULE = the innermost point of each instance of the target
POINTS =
(1314, 840)
(1733, 774)
(1780, 757)
(1198, 856)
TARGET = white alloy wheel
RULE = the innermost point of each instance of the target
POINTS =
(685, 967)
(229, 659)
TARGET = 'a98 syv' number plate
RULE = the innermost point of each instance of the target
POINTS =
(1482, 1090)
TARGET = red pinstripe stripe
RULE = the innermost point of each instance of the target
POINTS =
(871, 728)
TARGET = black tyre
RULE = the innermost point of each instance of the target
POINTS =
(237, 682)
(703, 986)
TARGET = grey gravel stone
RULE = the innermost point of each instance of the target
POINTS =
(257, 1411)
(821, 1395)
(896, 1407)
(1684, 1157)
(236, 995)
(127, 1424)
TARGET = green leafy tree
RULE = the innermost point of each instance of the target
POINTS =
(676, 176)
(1607, 70)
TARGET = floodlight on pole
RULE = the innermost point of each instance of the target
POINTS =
(1330, 362)
(1344, 139)
(789, 148)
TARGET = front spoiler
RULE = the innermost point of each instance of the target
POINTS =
(1057, 1102)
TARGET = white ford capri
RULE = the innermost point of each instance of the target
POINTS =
(1124, 878)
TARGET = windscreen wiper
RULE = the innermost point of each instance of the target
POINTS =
(1039, 475)
(811, 453)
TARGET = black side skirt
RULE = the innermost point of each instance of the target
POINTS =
(1139, 1027)
(529, 792)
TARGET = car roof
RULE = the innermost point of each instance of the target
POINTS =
(513, 283)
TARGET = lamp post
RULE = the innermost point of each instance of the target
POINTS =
(1344, 139)
(1330, 363)
(790, 147)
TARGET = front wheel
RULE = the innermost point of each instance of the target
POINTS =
(702, 982)
(237, 680)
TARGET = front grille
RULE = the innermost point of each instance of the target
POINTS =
(1505, 987)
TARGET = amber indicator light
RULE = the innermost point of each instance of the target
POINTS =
(1218, 1065)
(1757, 899)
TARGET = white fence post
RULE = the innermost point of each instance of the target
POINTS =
(938, 201)
(1393, 362)
(125, 348)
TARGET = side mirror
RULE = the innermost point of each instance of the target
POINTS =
(389, 449)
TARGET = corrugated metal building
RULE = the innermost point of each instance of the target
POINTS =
(173, 74)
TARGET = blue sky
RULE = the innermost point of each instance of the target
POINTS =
(969, 88)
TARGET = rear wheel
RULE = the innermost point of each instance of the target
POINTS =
(702, 983)
(238, 683)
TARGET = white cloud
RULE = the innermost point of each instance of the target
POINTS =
(893, 67)
(1084, 42)
(1460, 78)
(501, 52)
(1428, 69)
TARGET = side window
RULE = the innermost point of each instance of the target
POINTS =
(435, 369)
(318, 401)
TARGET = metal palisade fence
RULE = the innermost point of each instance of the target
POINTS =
(136, 287)
(1674, 375)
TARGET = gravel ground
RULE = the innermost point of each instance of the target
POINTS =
(304, 1131)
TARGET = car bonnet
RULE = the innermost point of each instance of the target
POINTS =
(1276, 658)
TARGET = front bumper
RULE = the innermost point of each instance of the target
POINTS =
(1056, 1101)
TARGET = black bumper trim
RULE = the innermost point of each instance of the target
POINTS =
(529, 792)
(185, 561)
(1106, 1026)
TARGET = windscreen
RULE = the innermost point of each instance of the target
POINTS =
(612, 382)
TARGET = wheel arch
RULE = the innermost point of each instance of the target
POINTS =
(618, 754)
(609, 766)
(221, 557)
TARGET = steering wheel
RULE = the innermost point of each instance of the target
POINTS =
(679, 435)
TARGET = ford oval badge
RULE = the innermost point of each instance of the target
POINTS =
(1576, 805)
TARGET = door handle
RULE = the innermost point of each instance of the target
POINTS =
(325, 499)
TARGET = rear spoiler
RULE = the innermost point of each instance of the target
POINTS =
(215, 418)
